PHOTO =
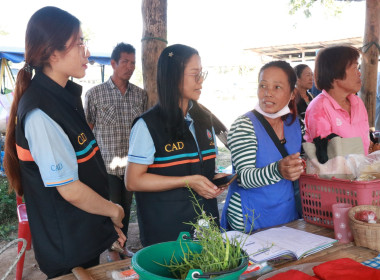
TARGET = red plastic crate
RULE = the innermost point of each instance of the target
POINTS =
(318, 195)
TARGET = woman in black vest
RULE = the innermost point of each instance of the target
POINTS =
(172, 146)
(51, 156)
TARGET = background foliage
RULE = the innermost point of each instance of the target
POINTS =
(333, 7)
(8, 213)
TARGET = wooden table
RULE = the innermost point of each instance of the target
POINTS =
(337, 251)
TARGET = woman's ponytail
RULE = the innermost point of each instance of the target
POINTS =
(11, 163)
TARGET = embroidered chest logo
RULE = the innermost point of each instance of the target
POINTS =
(82, 138)
(338, 122)
(210, 137)
(174, 147)
(209, 134)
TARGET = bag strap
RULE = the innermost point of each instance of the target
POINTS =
(271, 133)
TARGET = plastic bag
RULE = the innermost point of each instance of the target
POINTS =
(366, 216)
(365, 168)
(337, 150)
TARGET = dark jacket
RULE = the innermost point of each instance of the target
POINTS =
(162, 215)
(63, 235)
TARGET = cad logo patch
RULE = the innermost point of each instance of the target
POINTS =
(82, 138)
(56, 167)
(209, 134)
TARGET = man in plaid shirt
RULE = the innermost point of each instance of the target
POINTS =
(110, 110)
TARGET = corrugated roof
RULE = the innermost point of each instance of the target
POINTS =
(303, 51)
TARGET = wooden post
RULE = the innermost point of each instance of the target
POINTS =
(154, 40)
(370, 58)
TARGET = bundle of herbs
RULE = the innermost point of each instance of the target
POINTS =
(218, 254)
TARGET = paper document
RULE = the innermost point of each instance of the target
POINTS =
(283, 242)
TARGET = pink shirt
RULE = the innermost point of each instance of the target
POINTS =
(325, 116)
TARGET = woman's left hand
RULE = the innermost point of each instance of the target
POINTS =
(202, 186)
(291, 167)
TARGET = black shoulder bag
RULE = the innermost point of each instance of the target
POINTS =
(284, 154)
(271, 133)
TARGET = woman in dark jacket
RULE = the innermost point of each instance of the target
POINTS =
(173, 146)
(51, 155)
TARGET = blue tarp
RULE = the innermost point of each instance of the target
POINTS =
(16, 55)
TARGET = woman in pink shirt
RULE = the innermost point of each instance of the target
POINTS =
(337, 109)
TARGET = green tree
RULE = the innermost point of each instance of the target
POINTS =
(332, 7)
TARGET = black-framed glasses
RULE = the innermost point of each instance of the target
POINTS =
(198, 76)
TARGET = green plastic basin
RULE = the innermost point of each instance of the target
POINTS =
(146, 261)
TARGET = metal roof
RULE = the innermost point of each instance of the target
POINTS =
(303, 51)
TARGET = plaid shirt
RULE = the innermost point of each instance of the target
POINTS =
(112, 115)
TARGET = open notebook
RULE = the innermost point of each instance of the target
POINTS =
(281, 243)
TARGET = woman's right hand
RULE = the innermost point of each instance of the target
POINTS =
(118, 216)
(203, 186)
(122, 238)
(291, 167)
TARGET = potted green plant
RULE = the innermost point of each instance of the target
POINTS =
(209, 253)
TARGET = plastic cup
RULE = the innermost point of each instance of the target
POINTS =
(341, 221)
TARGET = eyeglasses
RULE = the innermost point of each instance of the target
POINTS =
(84, 46)
(198, 76)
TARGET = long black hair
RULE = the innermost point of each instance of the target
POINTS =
(48, 30)
(170, 71)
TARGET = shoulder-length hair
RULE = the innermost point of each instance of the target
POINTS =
(48, 30)
(331, 63)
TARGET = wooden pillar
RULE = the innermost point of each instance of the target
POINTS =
(370, 58)
(154, 40)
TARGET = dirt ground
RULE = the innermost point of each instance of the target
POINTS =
(31, 270)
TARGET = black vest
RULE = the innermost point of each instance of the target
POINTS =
(162, 215)
(63, 235)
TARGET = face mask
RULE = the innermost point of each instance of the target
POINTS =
(280, 113)
(284, 111)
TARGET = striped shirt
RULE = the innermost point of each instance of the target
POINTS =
(243, 144)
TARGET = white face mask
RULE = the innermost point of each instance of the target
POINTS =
(284, 111)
